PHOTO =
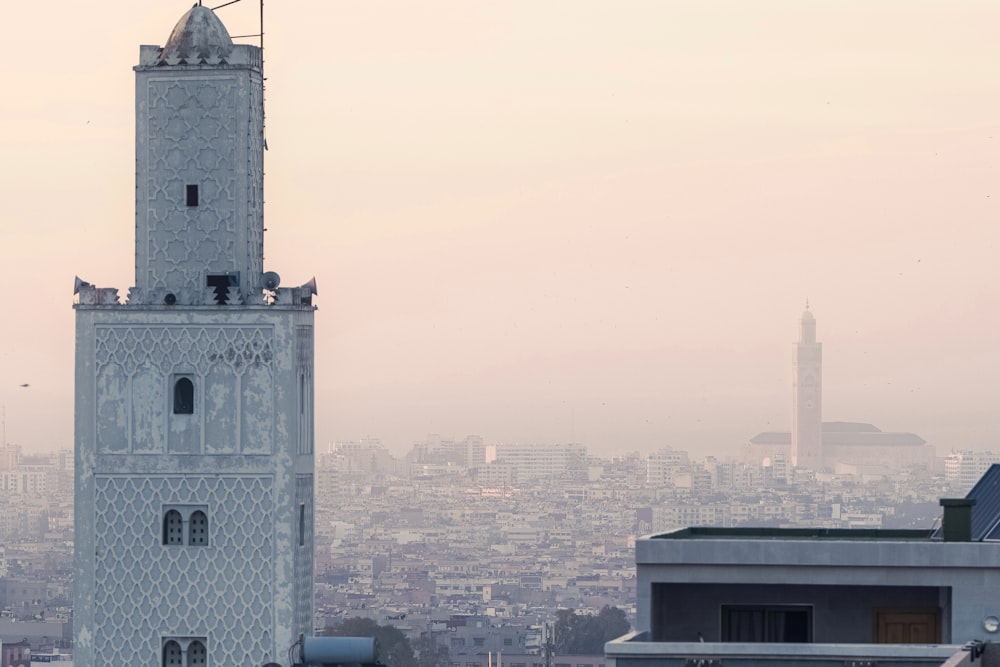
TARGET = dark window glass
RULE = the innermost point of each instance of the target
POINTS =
(198, 529)
(183, 396)
(192, 195)
(171, 654)
(173, 528)
(777, 624)
(197, 655)
(302, 525)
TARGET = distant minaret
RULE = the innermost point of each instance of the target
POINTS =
(807, 397)
(194, 426)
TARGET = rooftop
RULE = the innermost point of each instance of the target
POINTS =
(851, 534)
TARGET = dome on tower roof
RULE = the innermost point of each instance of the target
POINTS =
(198, 36)
(807, 316)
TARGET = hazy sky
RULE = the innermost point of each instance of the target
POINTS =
(549, 221)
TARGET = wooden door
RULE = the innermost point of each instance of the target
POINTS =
(908, 626)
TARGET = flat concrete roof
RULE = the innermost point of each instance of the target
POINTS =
(852, 534)
(799, 549)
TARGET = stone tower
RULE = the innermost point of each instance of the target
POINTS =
(194, 397)
(807, 397)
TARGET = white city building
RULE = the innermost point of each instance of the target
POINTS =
(533, 461)
(194, 408)
(965, 467)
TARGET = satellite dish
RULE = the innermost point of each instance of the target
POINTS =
(78, 283)
(311, 286)
(271, 280)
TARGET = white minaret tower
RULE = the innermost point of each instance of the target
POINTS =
(807, 397)
(194, 409)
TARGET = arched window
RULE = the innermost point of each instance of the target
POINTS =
(173, 528)
(183, 396)
(198, 529)
(196, 654)
(172, 654)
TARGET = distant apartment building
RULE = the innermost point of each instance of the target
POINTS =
(366, 456)
(669, 516)
(469, 452)
(666, 517)
(39, 475)
(497, 474)
(37, 480)
(965, 467)
(534, 461)
(664, 464)
(24, 518)
(10, 456)
(736, 475)
(694, 481)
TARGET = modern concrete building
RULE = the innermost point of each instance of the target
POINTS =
(194, 408)
(965, 467)
(663, 465)
(757, 596)
(533, 461)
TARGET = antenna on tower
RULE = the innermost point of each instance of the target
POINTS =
(263, 78)
(259, 34)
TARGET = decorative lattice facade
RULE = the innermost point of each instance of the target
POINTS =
(194, 397)
(183, 591)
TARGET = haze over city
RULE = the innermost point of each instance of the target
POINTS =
(595, 222)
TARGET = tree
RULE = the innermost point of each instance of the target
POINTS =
(393, 647)
(613, 624)
(579, 634)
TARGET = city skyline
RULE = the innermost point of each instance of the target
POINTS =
(596, 225)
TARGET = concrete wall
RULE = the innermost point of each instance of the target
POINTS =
(970, 570)
(840, 614)
(247, 463)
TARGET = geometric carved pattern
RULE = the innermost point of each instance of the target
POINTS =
(304, 556)
(231, 597)
(304, 345)
(168, 348)
(304, 355)
(192, 137)
(232, 369)
(254, 196)
(189, 141)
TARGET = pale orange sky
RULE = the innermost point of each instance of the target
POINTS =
(554, 221)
